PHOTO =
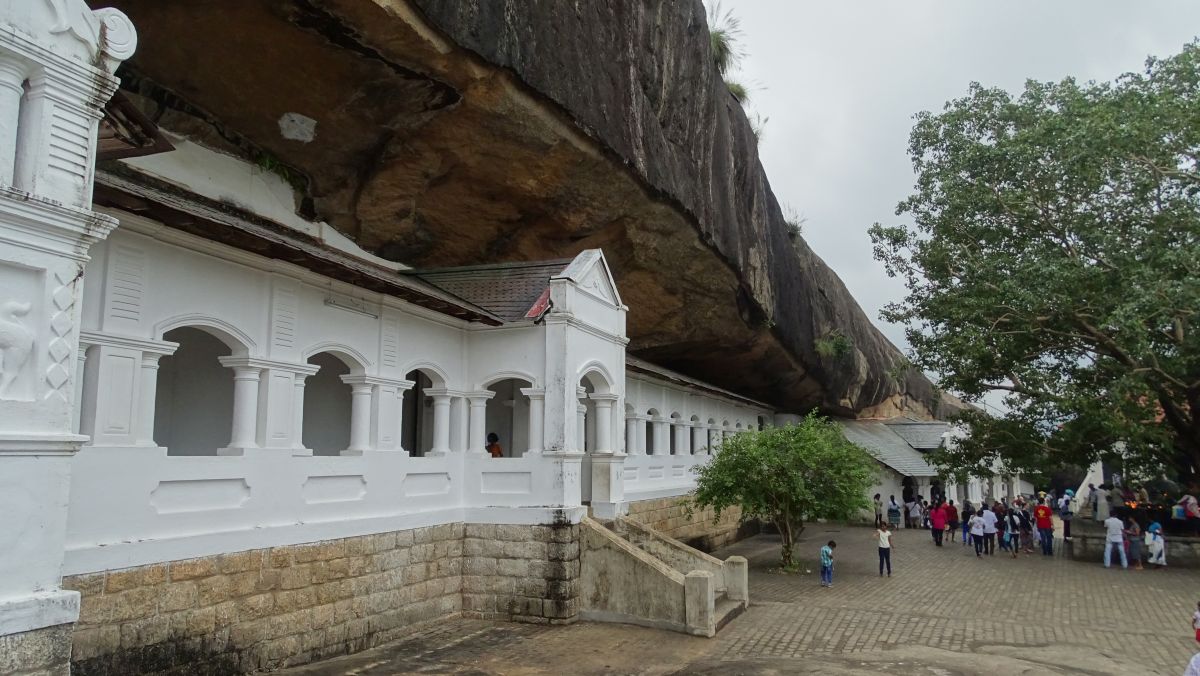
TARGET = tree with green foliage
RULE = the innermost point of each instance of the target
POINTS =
(788, 475)
(1055, 257)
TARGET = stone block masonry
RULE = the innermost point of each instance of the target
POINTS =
(41, 652)
(670, 517)
(521, 573)
(269, 608)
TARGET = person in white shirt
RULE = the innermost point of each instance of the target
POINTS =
(1193, 668)
(883, 537)
(1114, 538)
(989, 530)
(976, 524)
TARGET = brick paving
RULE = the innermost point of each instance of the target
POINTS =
(944, 612)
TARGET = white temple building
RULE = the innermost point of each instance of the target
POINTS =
(186, 383)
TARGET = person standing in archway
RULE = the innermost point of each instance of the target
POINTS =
(878, 510)
(493, 447)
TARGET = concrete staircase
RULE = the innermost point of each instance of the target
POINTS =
(632, 574)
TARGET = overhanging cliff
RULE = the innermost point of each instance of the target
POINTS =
(453, 132)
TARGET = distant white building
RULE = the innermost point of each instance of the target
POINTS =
(901, 444)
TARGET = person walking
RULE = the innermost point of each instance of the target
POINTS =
(883, 538)
(952, 519)
(1156, 546)
(937, 523)
(976, 525)
(827, 564)
(893, 512)
(1013, 523)
(1027, 523)
(989, 530)
(914, 513)
(878, 510)
(1042, 516)
(1001, 525)
(1114, 538)
(1133, 538)
(1066, 513)
(967, 512)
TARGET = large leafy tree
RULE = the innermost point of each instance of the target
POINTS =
(1055, 256)
(788, 475)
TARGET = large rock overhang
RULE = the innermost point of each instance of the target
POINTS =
(450, 132)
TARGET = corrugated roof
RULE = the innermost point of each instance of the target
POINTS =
(922, 435)
(888, 447)
(508, 290)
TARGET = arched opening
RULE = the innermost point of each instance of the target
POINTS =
(651, 426)
(193, 402)
(507, 416)
(673, 434)
(908, 488)
(327, 406)
(416, 432)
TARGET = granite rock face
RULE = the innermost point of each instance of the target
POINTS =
(638, 78)
(459, 131)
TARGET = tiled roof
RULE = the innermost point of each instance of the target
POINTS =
(887, 447)
(508, 290)
(921, 435)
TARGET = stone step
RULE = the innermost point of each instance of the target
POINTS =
(726, 610)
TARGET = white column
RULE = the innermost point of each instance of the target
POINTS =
(631, 430)
(459, 423)
(398, 424)
(361, 394)
(699, 447)
(477, 438)
(147, 391)
(683, 435)
(12, 75)
(441, 421)
(581, 427)
(298, 414)
(245, 405)
(537, 418)
(80, 368)
(604, 437)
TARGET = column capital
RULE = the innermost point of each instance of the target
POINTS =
(147, 346)
(442, 394)
(580, 393)
(608, 398)
(534, 392)
(479, 398)
(358, 378)
(150, 360)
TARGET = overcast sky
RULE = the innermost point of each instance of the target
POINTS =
(840, 81)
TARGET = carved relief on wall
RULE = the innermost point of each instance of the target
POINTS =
(18, 330)
(16, 346)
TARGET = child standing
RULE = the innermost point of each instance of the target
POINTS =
(827, 564)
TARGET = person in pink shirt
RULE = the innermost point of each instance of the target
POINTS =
(937, 522)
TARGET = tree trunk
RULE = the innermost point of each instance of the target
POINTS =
(785, 532)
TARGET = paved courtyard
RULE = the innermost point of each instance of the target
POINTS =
(943, 613)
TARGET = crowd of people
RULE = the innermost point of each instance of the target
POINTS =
(1022, 525)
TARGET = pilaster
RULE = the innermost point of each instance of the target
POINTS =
(53, 86)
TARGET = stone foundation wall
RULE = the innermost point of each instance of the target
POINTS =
(268, 608)
(522, 573)
(41, 652)
(670, 517)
